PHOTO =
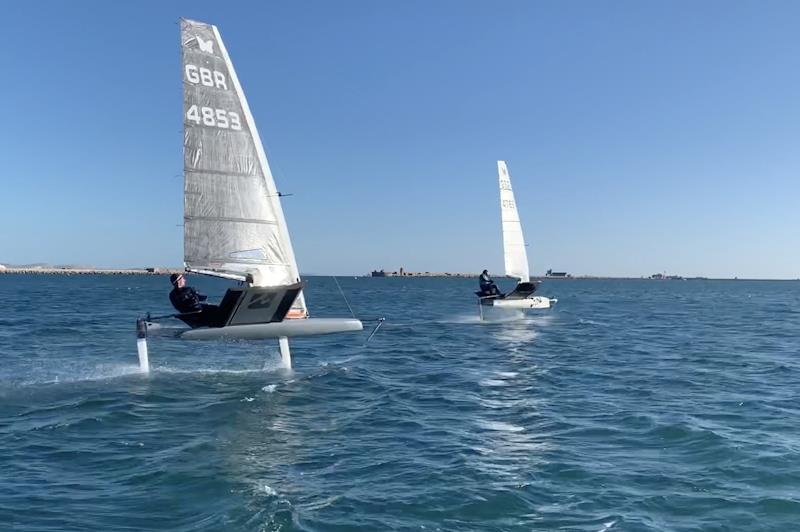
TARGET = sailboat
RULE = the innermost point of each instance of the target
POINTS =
(234, 227)
(515, 255)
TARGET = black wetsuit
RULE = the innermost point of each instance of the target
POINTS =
(186, 300)
(487, 285)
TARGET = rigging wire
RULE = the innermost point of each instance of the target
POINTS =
(379, 321)
(344, 296)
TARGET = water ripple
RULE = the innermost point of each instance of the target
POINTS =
(631, 406)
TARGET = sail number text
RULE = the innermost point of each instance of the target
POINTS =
(214, 117)
(505, 184)
(508, 204)
(205, 77)
(209, 116)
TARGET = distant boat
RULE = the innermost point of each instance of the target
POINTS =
(234, 226)
(514, 254)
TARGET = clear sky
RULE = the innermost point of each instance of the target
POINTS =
(641, 137)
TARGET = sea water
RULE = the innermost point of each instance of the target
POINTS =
(630, 406)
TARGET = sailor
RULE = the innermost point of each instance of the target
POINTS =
(487, 284)
(187, 301)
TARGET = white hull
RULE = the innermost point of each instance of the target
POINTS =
(535, 302)
(282, 329)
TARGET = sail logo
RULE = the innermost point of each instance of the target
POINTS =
(260, 301)
(205, 46)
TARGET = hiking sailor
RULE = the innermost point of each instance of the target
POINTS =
(487, 285)
(187, 301)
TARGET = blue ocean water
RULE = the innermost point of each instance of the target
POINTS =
(630, 406)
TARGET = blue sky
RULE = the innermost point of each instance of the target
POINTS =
(640, 136)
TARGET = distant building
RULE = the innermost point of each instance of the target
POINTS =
(551, 273)
(376, 273)
(401, 271)
(664, 276)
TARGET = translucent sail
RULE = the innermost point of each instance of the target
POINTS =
(516, 258)
(233, 221)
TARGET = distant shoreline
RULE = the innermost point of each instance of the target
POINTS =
(577, 278)
(89, 271)
(167, 271)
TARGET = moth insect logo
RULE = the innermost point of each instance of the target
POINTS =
(205, 46)
(259, 301)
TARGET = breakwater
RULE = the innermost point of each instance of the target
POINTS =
(89, 271)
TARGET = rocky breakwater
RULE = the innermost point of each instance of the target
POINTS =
(9, 270)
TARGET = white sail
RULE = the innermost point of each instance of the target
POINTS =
(516, 258)
(233, 220)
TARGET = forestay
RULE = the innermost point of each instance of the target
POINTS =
(516, 258)
(233, 221)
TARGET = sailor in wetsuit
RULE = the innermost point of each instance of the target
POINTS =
(487, 285)
(187, 301)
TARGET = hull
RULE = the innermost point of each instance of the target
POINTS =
(535, 302)
(281, 329)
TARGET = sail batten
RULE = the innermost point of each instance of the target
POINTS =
(233, 220)
(223, 219)
(514, 253)
(214, 261)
